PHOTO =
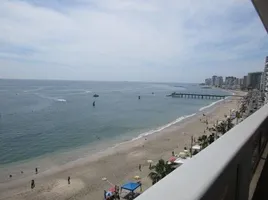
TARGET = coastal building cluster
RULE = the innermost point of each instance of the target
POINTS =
(253, 80)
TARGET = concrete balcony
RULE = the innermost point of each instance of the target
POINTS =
(224, 170)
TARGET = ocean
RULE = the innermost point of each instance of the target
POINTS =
(43, 118)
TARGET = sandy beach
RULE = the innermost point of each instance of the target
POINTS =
(118, 164)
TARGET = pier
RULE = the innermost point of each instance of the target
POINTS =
(200, 96)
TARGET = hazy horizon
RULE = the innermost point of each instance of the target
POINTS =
(29, 79)
(130, 40)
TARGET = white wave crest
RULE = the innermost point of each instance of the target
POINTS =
(61, 100)
(212, 104)
(51, 98)
(164, 127)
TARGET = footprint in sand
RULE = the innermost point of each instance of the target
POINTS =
(62, 188)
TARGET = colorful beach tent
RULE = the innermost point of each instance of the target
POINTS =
(131, 186)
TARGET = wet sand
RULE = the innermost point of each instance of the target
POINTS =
(119, 164)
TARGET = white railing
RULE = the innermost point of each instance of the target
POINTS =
(221, 171)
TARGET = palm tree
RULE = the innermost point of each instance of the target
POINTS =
(229, 124)
(211, 138)
(219, 128)
(203, 141)
(243, 108)
(160, 170)
(238, 116)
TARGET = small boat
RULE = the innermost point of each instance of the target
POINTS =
(95, 95)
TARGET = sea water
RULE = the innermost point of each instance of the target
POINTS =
(42, 118)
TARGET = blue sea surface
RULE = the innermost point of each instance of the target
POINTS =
(44, 117)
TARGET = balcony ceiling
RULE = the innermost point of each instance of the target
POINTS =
(262, 8)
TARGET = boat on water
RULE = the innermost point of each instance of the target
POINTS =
(96, 95)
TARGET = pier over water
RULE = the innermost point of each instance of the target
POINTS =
(200, 96)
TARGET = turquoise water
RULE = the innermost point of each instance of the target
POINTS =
(44, 117)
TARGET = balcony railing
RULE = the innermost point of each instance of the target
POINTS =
(223, 170)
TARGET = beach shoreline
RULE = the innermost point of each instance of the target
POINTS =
(108, 161)
(96, 149)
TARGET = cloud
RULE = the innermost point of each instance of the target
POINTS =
(149, 40)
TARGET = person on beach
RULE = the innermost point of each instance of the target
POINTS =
(69, 180)
(36, 170)
(173, 153)
(32, 184)
(10, 176)
(21, 172)
(139, 97)
(140, 167)
(117, 195)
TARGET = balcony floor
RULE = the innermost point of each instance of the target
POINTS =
(261, 191)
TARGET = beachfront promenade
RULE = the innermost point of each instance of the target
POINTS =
(200, 96)
(231, 172)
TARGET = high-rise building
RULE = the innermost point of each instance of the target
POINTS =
(254, 80)
(227, 81)
(245, 82)
(241, 80)
(213, 80)
(262, 82)
(230, 81)
(219, 81)
(208, 81)
(236, 81)
(265, 80)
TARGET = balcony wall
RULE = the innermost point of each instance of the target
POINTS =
(221, 171)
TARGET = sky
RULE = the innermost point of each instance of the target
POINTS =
(130, 40)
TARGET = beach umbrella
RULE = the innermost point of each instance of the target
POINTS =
(137, 177)
(182, 154)
(112, 189)
(172, 159)
(196, 147)
(185, 150)
(149, 161)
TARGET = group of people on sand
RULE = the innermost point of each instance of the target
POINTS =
(33, 181)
